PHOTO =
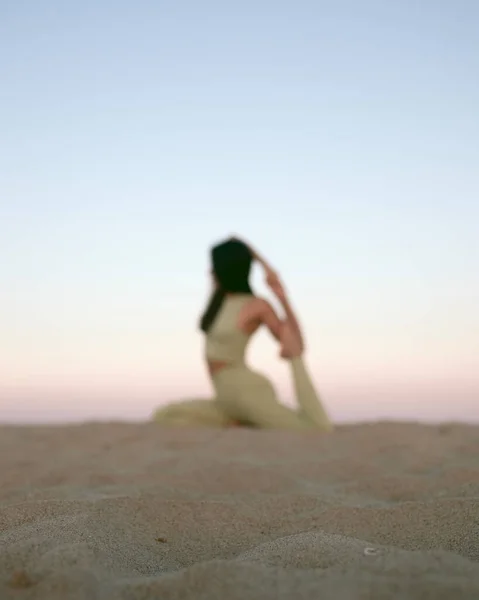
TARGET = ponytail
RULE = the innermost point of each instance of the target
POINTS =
(212, 310)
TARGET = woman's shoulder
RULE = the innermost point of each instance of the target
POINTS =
(252, 314)
(257, 305)
(262, 301)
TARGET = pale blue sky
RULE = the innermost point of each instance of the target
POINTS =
(341, 138)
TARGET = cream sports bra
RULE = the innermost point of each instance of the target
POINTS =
(224, 341)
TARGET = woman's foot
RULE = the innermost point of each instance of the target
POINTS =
(291, 344)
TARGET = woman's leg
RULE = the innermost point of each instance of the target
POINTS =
(251, 399)
(309, 402)
(311, 408)
(197, 412)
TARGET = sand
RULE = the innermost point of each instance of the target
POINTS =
(135, 511)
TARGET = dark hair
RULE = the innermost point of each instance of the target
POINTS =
(231, 265)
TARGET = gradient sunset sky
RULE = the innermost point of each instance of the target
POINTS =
(341, 138)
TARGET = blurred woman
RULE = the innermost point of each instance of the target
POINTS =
(232, 316)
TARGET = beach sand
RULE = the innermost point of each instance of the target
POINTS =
(138, 512)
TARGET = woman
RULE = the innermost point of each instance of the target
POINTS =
(232, 316)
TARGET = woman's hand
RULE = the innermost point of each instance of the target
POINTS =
(267, 268)
(272, 278)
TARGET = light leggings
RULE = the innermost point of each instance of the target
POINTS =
(246, 397)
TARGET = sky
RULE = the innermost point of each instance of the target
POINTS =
(340, 138)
